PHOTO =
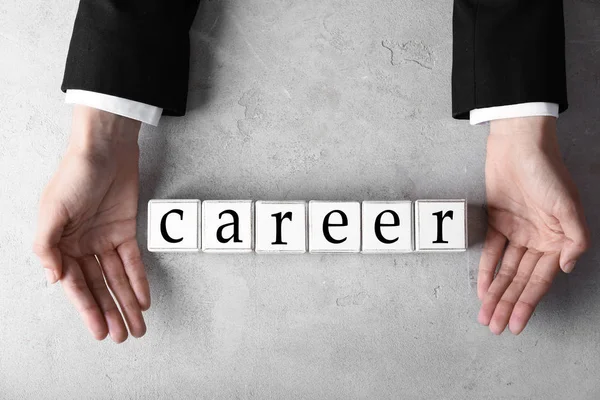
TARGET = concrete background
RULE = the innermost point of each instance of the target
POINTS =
(314, 99)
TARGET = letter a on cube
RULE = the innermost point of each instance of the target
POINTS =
(441, 225)
(227, 226)
(334, 227)
(387, 226)
(173, 225)
(280, 226)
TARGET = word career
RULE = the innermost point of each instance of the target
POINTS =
(281, 226)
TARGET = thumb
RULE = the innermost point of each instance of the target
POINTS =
(572, 221)
(51, 222)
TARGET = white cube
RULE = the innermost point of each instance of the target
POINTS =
(441, 225)
(227, 226)
(173, 225)
(387, 226)
(334, 227)
(280, 226)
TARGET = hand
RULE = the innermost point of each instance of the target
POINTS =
(536, 221)
(87, 225)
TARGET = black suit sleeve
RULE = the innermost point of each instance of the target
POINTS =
(134, 49)
(507, 52)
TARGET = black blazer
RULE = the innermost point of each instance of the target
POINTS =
(504, 52)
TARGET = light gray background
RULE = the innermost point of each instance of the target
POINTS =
(313, 99)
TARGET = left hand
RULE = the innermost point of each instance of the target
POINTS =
(535, 217)
(86, 235)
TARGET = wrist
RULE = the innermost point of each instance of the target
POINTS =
(97, 132)
(524, 128)
(524, 133)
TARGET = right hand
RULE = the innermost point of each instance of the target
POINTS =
(86, 234)
(536, 221)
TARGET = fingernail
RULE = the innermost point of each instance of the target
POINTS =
(50, 276)
(569, 267)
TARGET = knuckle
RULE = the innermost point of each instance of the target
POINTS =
(77, 286)
(567, 209)
(119, 281)
(507, 271)
(39, 249)
(110, 308)
(97, 285)
(527, 304)
(132, 260)
(505, 304)
(140, 281)
(103, 244)
(491, 252)
(541, 282)
(520, 280)
(130, 307)
(493, 295)
(87, 308)
(585, 243)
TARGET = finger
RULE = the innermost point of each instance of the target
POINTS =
(572, 221)
(508, 269)
(506, 304)
(119, 284)
(544, 273)
(95, 281)
(51, 222)
(78, 292)
(134, 268)
(490, 256)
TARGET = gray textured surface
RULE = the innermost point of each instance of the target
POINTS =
(295, 100)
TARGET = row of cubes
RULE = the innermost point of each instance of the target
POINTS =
(226, 226)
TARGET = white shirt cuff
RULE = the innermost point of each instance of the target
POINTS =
(127, 108)
(481, 115)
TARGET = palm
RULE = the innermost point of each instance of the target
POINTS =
(102, 209)
(522, 204)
